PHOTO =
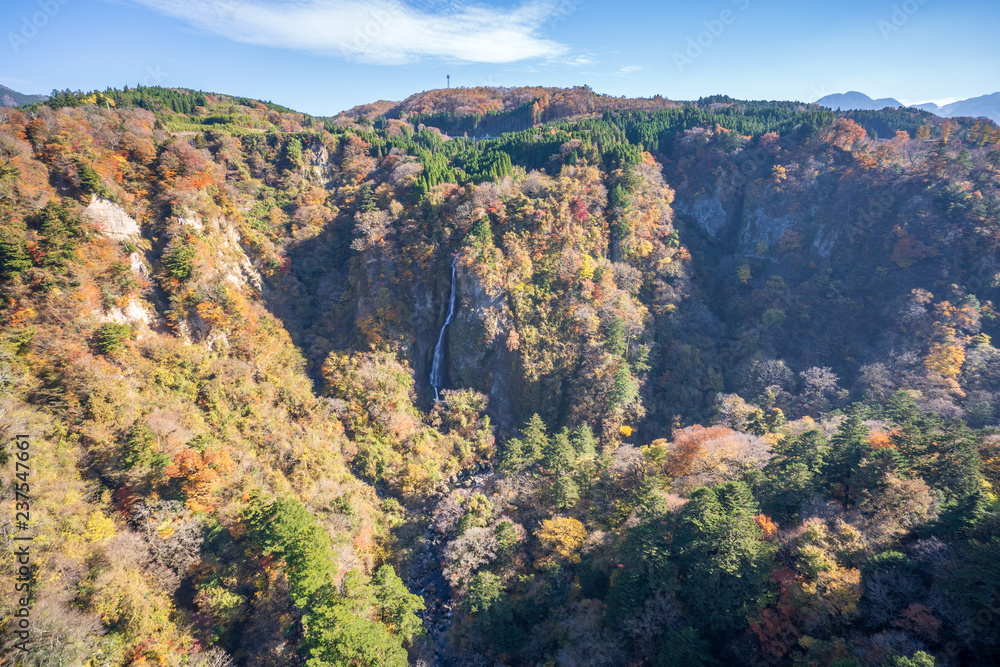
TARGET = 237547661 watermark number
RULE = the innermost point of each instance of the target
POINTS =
(21, 484)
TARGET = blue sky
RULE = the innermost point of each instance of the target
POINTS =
(322, 56)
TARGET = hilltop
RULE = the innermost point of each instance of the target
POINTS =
(858, 101)
(11, 98)
(494, 110)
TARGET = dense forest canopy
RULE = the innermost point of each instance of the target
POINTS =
(720, 386)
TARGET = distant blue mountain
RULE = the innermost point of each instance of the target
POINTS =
(855, 100)
(11, 98)
(987, 106)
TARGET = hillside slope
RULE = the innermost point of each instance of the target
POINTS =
(11, 98)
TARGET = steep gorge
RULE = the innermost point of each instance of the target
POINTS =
(238, 402)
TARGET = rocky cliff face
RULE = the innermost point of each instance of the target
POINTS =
(476, 351)
(753, 221)
(477, 345)
(705, 208)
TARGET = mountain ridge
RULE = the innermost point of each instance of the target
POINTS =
(982, 106)
(12, 98)
(854, 100)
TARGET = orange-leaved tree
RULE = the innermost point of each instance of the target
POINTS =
(202, 474)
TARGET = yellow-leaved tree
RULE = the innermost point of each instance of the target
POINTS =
(561, 538)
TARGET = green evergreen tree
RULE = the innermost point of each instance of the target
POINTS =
(558, 453)
(62, 231)
(513, 456)
(724, 564)
(366, 199)
(139, 443)
(14, 259)
(565, 492)
(624, 391)
(178, 259)
(793, 474)
(286, 529)
(396, 606)
(535, 439)
(901, 407)
(645, 566)
(775, 420)
(485, 589)
(847, 449)
(337, 637)
(478, 512)
(293, 152)
(481, 234)
(584, 442)
(615, 341)
(90, 181)
(952, 464)
(111, 337)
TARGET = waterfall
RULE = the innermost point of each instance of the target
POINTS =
(437, 365)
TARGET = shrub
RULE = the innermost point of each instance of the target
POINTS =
(179, 261)
(14, 258)
(91, 182)
(111, 337)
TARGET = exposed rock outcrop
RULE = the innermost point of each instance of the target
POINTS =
(706, 209)
(111, 220)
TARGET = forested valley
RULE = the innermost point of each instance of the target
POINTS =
(719, 387)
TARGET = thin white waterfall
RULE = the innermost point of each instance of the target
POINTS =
(437, 365)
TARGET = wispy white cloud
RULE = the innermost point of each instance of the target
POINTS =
(380, 31)
(630, 68)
